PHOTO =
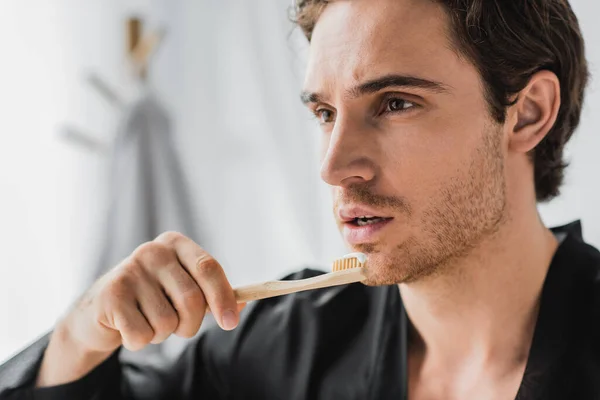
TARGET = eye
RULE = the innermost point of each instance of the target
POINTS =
(398, 105)
(324, 115)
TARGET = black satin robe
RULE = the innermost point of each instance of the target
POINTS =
(347, 342)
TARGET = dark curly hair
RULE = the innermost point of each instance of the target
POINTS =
(509, 41)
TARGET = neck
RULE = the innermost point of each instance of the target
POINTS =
(483, 309)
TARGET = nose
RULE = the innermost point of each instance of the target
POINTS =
(346, 155)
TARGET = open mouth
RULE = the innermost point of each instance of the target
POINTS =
(367, 220)
(360, 226)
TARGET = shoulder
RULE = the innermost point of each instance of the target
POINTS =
(574, 282)
(575, 260)
(578, 276)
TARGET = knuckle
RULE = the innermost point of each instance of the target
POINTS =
(125, 326)
(111, 300)
(167, 322)
(190, 324)
(116, 294)
(129, 272)
(193, 300)
(132, 329)
(152, 252)
(207, 265)
(116, 290)
(141, 337)
(169, 237)
(124, 279)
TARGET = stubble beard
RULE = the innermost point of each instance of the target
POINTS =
(468, 210)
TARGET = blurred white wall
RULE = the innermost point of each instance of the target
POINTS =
(230, 72)
(33, 238)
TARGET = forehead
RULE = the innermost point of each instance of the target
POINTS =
(355, 40)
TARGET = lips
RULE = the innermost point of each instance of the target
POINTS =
(362, 224)
(351, 213)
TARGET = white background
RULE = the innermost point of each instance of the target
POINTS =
(230, 73)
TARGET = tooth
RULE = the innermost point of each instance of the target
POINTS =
(363, 222)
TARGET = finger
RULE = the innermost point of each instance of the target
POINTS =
(185, 296)
(216, 288)
(157, 309)
(134, 328)
(240, 307)
(209, 275)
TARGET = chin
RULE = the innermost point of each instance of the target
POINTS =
(403, 263)
(384, 267)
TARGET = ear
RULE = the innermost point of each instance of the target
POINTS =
(535, 112)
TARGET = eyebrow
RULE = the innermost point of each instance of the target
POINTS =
(384, 82)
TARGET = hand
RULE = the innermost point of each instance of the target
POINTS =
(162, 288)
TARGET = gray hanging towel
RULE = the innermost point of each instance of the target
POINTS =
(148, 194)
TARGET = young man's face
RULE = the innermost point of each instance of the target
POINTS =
(407, 135)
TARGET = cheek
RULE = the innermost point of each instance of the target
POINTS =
(426, 157)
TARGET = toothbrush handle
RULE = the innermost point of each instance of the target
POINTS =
(278, 288)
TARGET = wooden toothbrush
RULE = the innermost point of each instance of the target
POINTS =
(347, 269)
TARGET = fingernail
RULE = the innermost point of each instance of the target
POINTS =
(229, 320)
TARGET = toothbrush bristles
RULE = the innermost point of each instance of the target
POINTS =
(346, 263)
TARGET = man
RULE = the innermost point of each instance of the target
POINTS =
(443, 123)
